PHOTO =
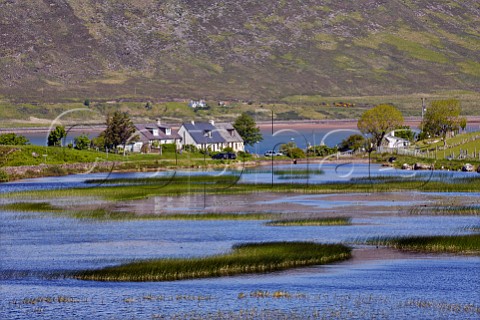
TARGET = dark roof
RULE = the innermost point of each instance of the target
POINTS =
(147, 135)
(199, 132)
(228, 132)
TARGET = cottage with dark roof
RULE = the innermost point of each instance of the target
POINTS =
(208, 136)
(154, 135)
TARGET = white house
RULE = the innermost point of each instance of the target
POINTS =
(208, 136)
(197, 104)
(395, 142)
(157, 134)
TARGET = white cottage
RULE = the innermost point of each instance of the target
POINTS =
(395, 142)
(208, 136)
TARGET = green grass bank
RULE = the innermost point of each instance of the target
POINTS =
(245, 258)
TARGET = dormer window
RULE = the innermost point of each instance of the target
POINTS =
(155, 132)
(168, 131)
(207, 133)
(231, 132)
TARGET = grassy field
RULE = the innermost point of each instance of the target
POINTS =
(246, 258)
(468, 143)
(300, 107)
(465, 244)
(35, 155)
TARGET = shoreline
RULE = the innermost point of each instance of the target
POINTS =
(56, 170)
(18, 173)
(413, 122)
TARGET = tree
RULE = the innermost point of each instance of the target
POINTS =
(353, 142)
(406, 133)
(86, 103)
(119, 129)
(11, 139)
(99, 142)
(378, 121)
(82, 142)
(321, 151)
(247, 129)
(55, 137)
(292, 151)
(443, 117)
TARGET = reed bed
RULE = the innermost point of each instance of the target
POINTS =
(103, 214)
(337, 221)
(448, 210)
(459, 244)
(245, 258)
(228, 185)
(29, 207)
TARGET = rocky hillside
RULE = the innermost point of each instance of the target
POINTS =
(236, 49)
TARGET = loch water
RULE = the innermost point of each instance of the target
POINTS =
(39, 250)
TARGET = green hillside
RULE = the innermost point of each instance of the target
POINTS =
(64, 51)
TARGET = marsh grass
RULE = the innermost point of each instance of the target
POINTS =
(245, 258)
(340, 221)
(474, 228)
(103, 214)
(460, 244)
(449, 210)
(29, 207)
(49, 300)
(228, 185)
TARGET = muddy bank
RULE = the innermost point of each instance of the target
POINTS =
(286, 205)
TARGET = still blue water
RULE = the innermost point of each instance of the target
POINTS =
(35, 247)
(302, 138)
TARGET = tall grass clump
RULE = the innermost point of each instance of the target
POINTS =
(461, 244)
(245, 258)
(29, 206)
(340, 221)
(453, 210)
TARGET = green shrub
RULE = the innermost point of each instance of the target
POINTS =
(3, 176)
(190, 148)
(11, 139)
(169, 147)
(82, 142)
(321, 151)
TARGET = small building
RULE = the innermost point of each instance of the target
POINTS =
(154, 135)
(211, 136)
(395, 142)
(197, 104)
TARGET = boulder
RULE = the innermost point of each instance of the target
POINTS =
(406, 166)
(422, 166)
(468, 168)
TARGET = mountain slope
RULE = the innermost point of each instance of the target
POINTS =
(54, 49)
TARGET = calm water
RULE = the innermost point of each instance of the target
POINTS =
(302, 138)
(36, 247)
(331, 173)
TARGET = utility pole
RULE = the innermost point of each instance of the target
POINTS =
(424, 110)
(424, 107)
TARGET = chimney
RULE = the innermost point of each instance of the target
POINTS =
(193, 122)
(159, 121)
(212, 122)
